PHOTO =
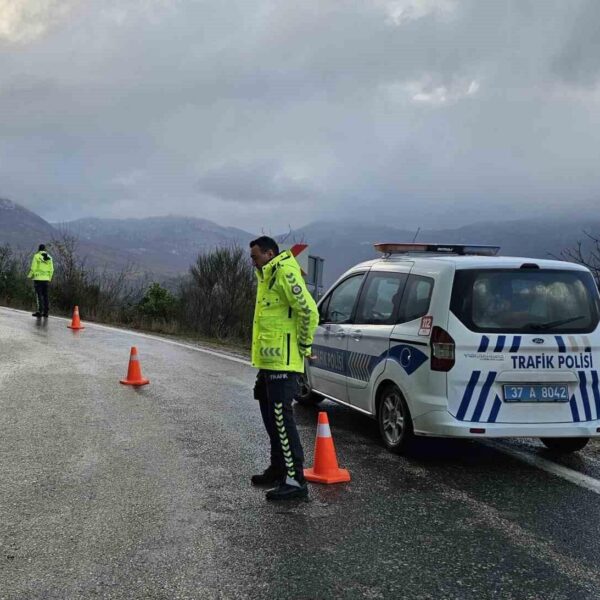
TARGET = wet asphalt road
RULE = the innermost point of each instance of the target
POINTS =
(112, 492)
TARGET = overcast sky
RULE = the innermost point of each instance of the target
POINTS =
(263, 113)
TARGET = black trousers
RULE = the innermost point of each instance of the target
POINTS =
(41, 294)
(275, 391)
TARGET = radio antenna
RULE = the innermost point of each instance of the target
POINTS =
(416, 234)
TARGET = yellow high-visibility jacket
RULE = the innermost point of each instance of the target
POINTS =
(285, 317)
(42, 267)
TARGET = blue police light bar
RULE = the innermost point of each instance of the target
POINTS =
(460, 249)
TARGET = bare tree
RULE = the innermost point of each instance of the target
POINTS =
(71, 277)
(290, 237)
(106, 295)
(587, 256)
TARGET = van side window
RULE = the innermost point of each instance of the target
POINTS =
(341, 301)
(380, 298)
(323, 306)
(416, 298)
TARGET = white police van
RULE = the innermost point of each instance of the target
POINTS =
(455, 341)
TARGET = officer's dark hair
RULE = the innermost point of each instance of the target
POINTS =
(265, 244)
(42, 247)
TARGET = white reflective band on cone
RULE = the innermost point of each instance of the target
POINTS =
(323, 430)
(134, 357)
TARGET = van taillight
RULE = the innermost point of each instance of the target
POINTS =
(442, 350)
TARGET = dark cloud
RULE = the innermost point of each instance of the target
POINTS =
(408, 109)
(578, 61)
(262, 183)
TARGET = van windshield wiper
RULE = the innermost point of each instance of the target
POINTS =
(552, 324)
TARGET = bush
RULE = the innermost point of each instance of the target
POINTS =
(158, 303)
(218, 297)
(15, 289)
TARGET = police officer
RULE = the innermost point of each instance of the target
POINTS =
(285, 319)
(42, 269)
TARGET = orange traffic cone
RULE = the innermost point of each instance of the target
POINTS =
(326, 468)
(75, 322)
(134, 372)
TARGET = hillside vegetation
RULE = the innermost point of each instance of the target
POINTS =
(214, 300)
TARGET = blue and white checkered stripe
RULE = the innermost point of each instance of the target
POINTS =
(359, 366)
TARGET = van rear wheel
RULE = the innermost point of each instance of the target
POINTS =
(395, 423)
(565, 445)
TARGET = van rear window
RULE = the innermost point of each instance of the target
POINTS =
(525, 301)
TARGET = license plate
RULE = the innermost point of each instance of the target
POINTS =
(536, 393)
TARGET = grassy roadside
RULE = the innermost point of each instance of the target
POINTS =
(238, 348)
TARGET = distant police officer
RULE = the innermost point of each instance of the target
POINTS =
(285, 320)
(42, 269)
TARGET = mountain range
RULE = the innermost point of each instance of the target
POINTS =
(163, 244)
(166, 246)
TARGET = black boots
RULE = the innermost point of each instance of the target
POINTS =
(270, 476)
(37, 315)
(289, 490)
(286, 488)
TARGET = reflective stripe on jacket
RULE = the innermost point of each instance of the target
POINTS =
(285, 317)
(42, 267)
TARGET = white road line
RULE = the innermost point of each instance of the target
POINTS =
(538, 547)
(149, 337)
(584, 481)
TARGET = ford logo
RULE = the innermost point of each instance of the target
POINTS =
(538, 341)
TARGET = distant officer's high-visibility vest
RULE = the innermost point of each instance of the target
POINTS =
(42, 267)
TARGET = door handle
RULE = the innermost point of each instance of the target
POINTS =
(356, 335)
(340, 335)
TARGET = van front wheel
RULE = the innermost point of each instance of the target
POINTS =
(305, 396)
(395, 424)
(565, 445)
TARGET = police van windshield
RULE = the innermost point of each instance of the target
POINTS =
(525, 301)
